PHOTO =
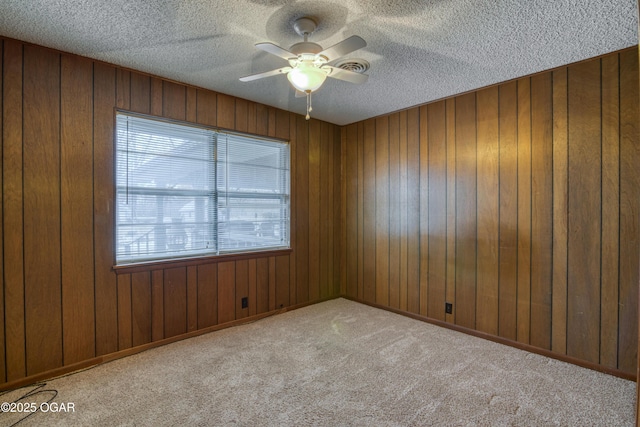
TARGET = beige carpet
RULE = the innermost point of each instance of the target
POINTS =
(336, 363)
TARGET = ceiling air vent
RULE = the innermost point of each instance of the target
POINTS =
(355, 65)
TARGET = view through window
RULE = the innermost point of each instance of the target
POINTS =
(186, 191)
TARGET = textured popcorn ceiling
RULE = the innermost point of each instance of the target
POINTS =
(419, 50)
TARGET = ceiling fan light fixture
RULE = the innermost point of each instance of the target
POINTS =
(309, 62)
(307, 77)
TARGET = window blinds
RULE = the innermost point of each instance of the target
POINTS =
(185, 191)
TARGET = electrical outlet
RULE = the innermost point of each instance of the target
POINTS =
(245, 302)
(448, 307)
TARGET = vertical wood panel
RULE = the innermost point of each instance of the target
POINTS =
(104, 80)
(437, 205)
(323, 213)
(191, 104)
(382, 210)
(77, 209)
(369, 208)
(12, 196)
(282, 124)
(140, 93)
(610, 211)
(293, 286)
(413, 214)
(124, 312)
(360, 214)
(157, 305)
(262, 119)
(156, 96)
(508, 256)
(192, 298)
(314, 210)
(206, 108)
(302, 211)
(41, 176)
(541, 209)
(524, 210)
(175, 301)
(333, 211)
(123, 88)
(335, 229)
(282, 281)
(488, 211)
(424, 210)
(583, 317)
(252, 117)
(466, 210)
(207, 295)
(394, 211)
(351, 176)
(262, 276)
(629, 212)
(347, 233)
(272, 283)
(242, 287)
(242, 115)
(141, 308)
(560, 206)
(450, 118)
(271, 127)
(226, 108)
(226, 291)
(174, 100)
(253, 290)
(404, 209)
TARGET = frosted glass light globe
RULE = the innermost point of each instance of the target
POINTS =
(306, 77)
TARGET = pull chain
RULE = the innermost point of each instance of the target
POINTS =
(309, 107)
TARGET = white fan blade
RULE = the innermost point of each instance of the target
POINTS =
(252, 77)
(346, 75)
(276, 50)
(344, 47)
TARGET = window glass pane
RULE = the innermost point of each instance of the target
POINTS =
(250, 166)
(253, 193)
(251, 223)
(157, 225)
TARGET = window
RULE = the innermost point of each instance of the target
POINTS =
(185, 191)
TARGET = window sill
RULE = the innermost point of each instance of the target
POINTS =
(186, 262)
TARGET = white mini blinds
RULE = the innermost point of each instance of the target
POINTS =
(185, 191)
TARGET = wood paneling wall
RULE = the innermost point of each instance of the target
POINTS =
(517, 203)
(62, 303)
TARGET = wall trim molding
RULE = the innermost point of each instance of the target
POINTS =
(96, 361)
(504, 341)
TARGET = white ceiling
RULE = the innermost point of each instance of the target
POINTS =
(419, 50)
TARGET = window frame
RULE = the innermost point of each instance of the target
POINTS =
(131, 266)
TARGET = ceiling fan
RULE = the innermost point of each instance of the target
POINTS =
(309, 62)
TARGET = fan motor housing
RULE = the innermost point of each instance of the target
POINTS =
(305, 47)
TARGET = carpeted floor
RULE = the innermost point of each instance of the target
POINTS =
(329, 364)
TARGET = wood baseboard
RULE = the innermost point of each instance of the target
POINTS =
(89, 363)
(504, 341)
